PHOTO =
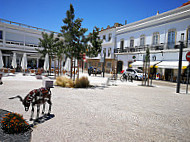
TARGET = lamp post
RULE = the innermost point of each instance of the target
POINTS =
(104, 64)
(180, 63)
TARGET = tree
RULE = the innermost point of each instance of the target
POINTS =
(73, 34)
(95, 45)
(58, 52)
(47, 42)
(146, 66)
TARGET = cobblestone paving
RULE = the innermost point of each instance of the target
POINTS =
(126, 112)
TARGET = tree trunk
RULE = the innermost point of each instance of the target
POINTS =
(148, 72)
(77, 70)
(71, 67)
(55, 67)
(74, 70)
(143, 72)
(58, 66)
(49, 65)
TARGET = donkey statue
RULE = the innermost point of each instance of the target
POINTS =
(36, 97)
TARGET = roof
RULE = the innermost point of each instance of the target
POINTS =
(187, 3)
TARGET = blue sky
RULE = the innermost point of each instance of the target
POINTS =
(48, 14)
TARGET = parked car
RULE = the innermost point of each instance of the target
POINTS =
(136, 74)
(92, 70)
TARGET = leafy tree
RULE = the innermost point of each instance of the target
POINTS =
(73, 34)
(95, 46)
(47, 42)
(58, 52)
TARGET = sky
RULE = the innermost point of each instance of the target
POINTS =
(48, 14)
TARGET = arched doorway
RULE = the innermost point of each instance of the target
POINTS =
(119, 66)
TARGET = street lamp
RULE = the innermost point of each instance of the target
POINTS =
(180, 63)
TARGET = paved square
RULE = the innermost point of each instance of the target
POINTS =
(126, 112)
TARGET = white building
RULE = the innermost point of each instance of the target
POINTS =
(108, 46)
(161, 34)
(20, 38)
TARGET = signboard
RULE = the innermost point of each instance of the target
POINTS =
(188, 56)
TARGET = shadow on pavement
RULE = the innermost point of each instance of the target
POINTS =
(42, 119)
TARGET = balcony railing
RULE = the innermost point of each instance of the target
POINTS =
(21, 44)
(26, 26)
(160, 46)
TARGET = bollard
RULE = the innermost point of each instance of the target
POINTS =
(1, 79)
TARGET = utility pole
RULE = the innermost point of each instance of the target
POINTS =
(180, 63)
(104, 64)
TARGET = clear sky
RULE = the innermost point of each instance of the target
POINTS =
(48, 14)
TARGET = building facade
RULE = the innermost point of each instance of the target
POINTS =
(162, 34)
(108, 46)
(20, 38)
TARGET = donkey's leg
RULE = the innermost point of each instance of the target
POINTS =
(50, 103)
(43, 108)
(38, 111)
(32, 113)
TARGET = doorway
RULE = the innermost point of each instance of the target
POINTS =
(119, 66)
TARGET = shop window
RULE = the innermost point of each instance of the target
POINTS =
(142, 40)
(155, 39)
(99, 64)
(171, 39)
(109, 38)
(108, 65)
(131, 42)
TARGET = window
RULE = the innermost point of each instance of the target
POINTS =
(104, 37)
(121, 44)
(109, 38)
(131, 42)
(104, 51)
(108, 65)
(109, 52)
(155, 40)
(142, 40)
(171, 39)
(188, 34)
(1, 34)
(99, 64)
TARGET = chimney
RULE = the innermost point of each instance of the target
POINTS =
(125, 22)
(157, 13)
(108, 26)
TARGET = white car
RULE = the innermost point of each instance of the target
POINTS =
(136, 74)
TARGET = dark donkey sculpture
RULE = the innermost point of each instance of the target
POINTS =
(36, 97)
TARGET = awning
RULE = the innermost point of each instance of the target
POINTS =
(140, 64)
(172, 64)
